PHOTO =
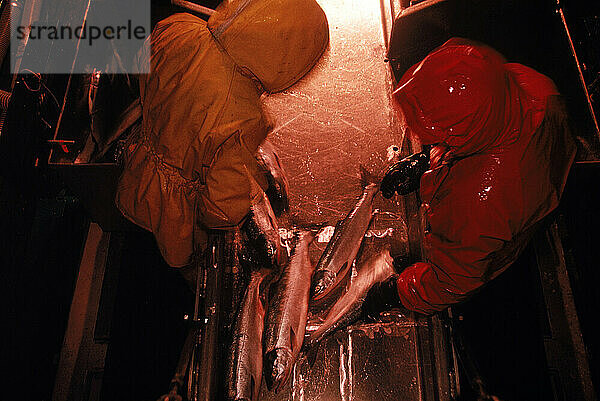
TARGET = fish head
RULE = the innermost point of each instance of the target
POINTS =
(321, 283)
(277, 192)
(393, 153)
(278, 365)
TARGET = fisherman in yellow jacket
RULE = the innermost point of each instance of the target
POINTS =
(191, 167)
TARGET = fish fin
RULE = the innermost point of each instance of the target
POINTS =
(366, 177)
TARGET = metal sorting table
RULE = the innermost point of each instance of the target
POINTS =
(338, 117)
(390, 360)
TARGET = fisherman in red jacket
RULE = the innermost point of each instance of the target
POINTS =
(500, 154)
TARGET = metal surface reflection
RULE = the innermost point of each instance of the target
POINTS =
(337, 118)
(363, 362)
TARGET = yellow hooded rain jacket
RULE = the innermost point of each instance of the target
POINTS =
(190, 168)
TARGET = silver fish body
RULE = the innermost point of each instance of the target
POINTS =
(374, 266)
(244, 372)
(341, 250)
(287, 315)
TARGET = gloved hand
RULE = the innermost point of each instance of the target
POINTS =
(403, 177)
(277, 191)
(381, 297)
(260, 234)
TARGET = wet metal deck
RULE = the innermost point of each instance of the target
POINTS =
(339, 117)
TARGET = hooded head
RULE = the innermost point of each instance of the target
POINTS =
(464, 95)
(275, 41)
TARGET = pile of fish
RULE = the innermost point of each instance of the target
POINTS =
(284, 291)
(341, 250)
(374, 265)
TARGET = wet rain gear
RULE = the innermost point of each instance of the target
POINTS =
(499, 165)
(191, 167)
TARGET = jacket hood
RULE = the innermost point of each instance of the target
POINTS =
(465, 95)
(276, 41)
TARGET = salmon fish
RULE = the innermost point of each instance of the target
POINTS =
(244, 371)
(374, 265)
(341, 250)
(287, 314)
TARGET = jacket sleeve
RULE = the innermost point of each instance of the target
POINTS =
(472, 220)
(485, 211)
(455, 267)
(226, 198)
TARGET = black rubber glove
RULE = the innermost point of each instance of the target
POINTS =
(260, 242)
(404, 176)
(381, 297)
(277, 192)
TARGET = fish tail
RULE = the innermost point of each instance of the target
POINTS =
(367, 178)
(302, 235)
